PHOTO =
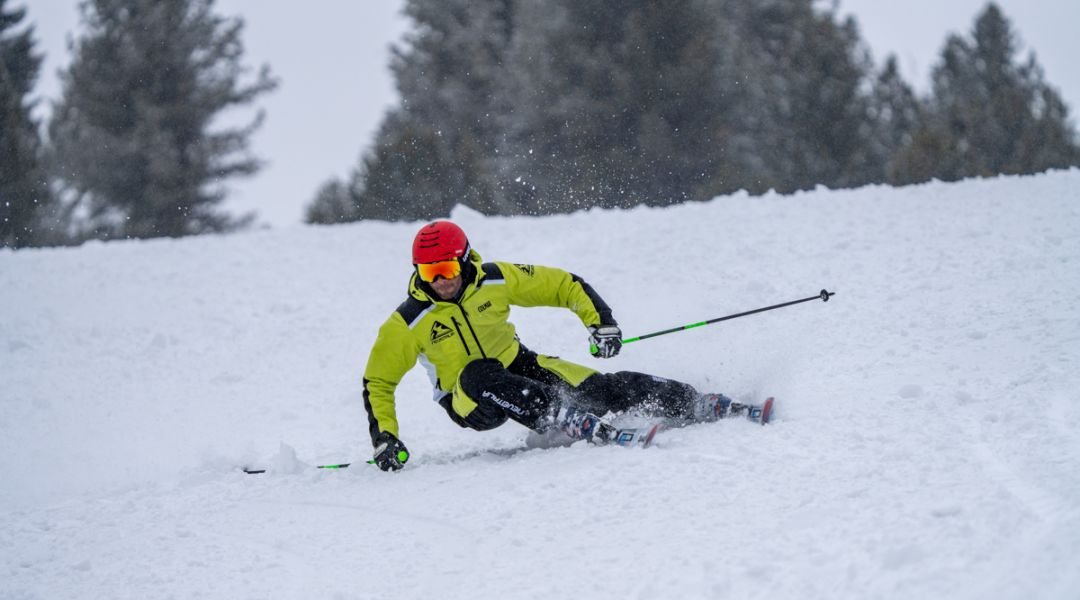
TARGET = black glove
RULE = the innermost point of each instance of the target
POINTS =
(605, 341)
(390, 453)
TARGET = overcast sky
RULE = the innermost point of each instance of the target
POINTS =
(331, 57)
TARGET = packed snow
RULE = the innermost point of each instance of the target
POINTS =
(926, 444)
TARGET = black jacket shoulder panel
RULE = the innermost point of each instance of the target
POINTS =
(411, 308)
(492, 272)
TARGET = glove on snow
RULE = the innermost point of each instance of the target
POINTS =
(390, 453)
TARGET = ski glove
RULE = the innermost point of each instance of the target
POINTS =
(605, 341)
(390, 453)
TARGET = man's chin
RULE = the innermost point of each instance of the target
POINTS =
(446, 295)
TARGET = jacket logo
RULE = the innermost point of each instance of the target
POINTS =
(483, 306)
(527, 269)
(440, 332)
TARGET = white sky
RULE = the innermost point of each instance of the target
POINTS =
(335, 85)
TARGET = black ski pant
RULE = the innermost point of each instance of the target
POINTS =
(531, 395)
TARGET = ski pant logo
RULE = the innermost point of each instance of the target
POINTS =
(517, 410)
(625, 437)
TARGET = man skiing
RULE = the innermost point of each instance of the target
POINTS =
(455, 322)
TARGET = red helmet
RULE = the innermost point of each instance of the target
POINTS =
(441, 240)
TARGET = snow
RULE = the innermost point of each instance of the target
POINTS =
(927, 441)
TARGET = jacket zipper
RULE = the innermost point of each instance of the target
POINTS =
(468, 324)
(462, 337)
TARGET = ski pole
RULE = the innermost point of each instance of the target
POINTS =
(823, 296)
(402, 456)
(339, 466)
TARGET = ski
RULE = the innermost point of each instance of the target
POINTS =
(766, 411)
(711, 407)
(630, 437)
(640, 437)
(573, 425)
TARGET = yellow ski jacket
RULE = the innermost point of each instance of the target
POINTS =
(445, 336)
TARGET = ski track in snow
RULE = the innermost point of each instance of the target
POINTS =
(927, 441)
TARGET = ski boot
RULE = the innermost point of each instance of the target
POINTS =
(579, 424)
(710, 407)
(583, 425)
(758, 413)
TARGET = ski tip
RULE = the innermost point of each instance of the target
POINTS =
(650, 435)
(766, 410)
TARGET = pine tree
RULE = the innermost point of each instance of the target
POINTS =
(807, 105)
(334, 203)
(613, 104)
(897, 112)
(25, 197)
(437, 149)
(412, 174)
(989, 113)
(132, 132)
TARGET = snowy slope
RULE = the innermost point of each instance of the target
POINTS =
(928, 444)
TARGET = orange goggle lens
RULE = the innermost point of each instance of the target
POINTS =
(447, 269)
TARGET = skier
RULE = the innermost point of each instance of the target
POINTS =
(455, 322)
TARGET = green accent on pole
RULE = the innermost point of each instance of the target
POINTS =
(693, 325)
(631, 340)
(402, 456)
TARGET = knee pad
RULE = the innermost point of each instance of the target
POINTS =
(480, 416)
(478, 371)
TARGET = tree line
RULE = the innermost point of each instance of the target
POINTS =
(514, 108)
(527, 108)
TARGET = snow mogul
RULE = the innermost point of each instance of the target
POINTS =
(455, 321)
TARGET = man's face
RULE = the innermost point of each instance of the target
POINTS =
(446, 288)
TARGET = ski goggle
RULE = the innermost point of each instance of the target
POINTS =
(447, 269)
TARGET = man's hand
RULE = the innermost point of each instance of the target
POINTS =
(390, 453)
(605, 341)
